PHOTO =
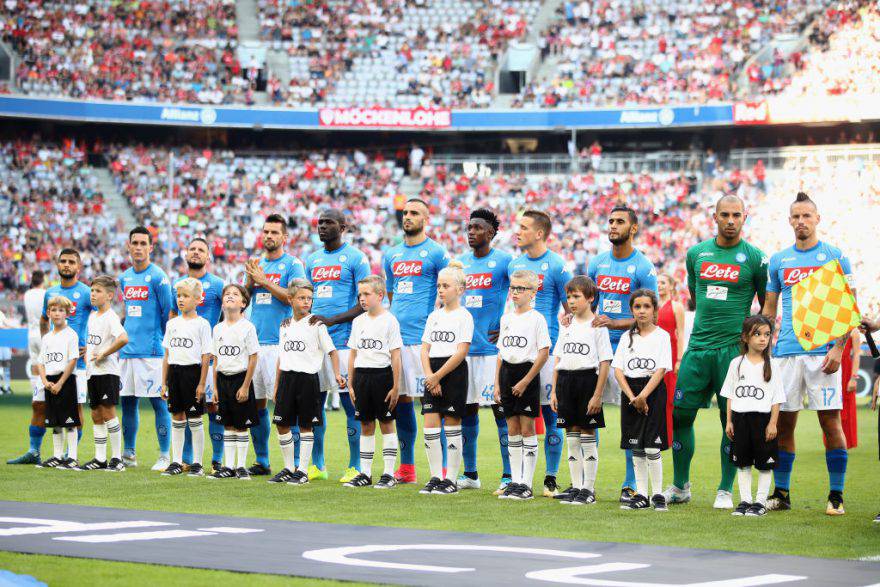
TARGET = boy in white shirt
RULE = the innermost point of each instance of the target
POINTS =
(188, 347)
(59, 352)
(106, 337)
(302, 348)
(523, 348)
(374, 368)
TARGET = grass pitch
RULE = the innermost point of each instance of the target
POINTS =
(805, 530)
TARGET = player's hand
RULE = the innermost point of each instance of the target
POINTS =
(56, 388)
(566, 319)
(677, 365)
(831, 362)
(553, 404)
(869, 325)
(640, 404)
(496, 393)
(728, 430)
(215, 399)
(771, 432)
(340, 381)
(255, 272)
(519, 388)
(432, 382)
(241, 395)
(165, 392)
(852, 386)
(325, 320)
(351, 392)
(595, 405)
(391, 398)
(601, 321)
(493, 336)
(82, 352)
(200, 392)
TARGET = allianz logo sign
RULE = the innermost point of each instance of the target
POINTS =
(201, 115)
(663, 116)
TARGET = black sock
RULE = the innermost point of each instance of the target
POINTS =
(471, 475)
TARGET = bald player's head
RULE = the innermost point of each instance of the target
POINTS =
(331, 225)
(334, 214)
(729, 199)
(730, 215)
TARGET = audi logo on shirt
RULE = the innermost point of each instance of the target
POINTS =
(54, 357)
(370, 344)
(442, 336)
(518, 342)
(228, 350)
(406, 268)
(576, 348)
(794, 275)
(178, 342)
(294, 345)
(136, 293)
(94, 339)
(478, 281)
(749, 391)
(637, 363)
(719, 272)
(327, 273)
(614, 284)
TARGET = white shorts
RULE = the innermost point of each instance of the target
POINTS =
(546, 381)
(481, 379)
(611, 393)
(82, 386)
(267, 368)
(804, 382)
(325, 375)
(39, 394)
(141, 377)
(413, 374)
(209, 384)
(5, 353)
(33, 346)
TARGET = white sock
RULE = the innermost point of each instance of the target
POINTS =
(744, 480)
(286, 442)
(640, 465)
(244, 443)
(515, 452)
(435, 452)
(591, 460)
(178, 435)
(72, 443)
(114, 431)
(655, 470)
(58, 443)
(389, 452)
(530, 459)
(306, 441)
(197, 430)
(453, 451)
(575, 459)
(230, 448)
(764, 478)
(368, 449)
(100, 433)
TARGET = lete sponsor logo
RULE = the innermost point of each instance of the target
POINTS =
(479, 281)
(136, 293)
(274, 278)
(719, 272)
(614, 284)
(751, 113)
(407, 269)
(327, 273)
(794, 275)
(396, 117)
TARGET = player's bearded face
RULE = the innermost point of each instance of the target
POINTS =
(803, 218)
(68, 267)
(196, 257)
(273, 237)
(413, 219)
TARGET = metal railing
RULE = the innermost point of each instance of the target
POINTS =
(804, 155)
(653, 162)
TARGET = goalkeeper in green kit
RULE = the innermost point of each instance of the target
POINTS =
(724, 276)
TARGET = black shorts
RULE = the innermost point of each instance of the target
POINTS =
(298, 401)
(371, 385)
(62, 410)
(182, 383)
(574, 390)
(750, 446)
(233, 413)
(529, 403)
(641, 431)
(453, 391)
(103, 390)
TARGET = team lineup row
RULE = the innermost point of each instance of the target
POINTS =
(725, 274)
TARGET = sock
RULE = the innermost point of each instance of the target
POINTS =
(406, 432)
(453, 445)
(530, 459)
(836, 460)
(130, 422)
(36, 434)
(389, 452)
(99, 431)
(435, 455)
(354, 432)
(655, 470)
(443, 450)
(178, 431)
(744, 480)
(215, 429)
(79, 434)
(470, 432)
(575, 459)
(260, 433)
(501, 423)
(242, 448)
(782, 472)
(197, 428)
(296, 446)
(286, 443)
(553, 441)
(683, 445)
(630, 479)
(57, 443)
(306, 443)
(318, 443)
(230, 448)
(640, 467)
(590, 450)
(72, 443)
(515, 450)
(187, 456)
(163, 424)
(114, 431)
(368, 449)
(728, 469)
(763, 487)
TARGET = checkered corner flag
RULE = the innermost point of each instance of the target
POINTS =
(824, 308)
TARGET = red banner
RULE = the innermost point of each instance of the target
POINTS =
(389, 117)
(751, 113)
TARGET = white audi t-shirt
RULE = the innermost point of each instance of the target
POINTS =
(234, 343)
(445, 330)
(580, 347)
(186, 340)
(521, 336)
(303, 346)
(104, 328)
(745, 387)
(57, 349)
(648, 353)
(373, 339)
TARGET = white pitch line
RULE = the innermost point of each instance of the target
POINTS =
(133, 536)
(231, 530)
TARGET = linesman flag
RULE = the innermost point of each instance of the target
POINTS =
(823, 307)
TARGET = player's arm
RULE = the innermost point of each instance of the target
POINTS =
(543, 355)
(461, 351)
(277, 378)
(203, 375)
(165, 376)
(622, 383)
(352, 354)
(678, 311)
(165, 296)
(259, 279)
(340, 318)
(249, 374)
(553, 401)
(396, 372)
(595, 403)
(44, 318)
(68, 371)
(120, 341)
(425, 360)
(652, 384)
(389, 278)
(761, 277)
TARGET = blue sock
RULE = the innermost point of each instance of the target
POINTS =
(630, 479)
(836, 460)
(295, 432)
(406, 432)
(215, 429)
(260, 435)
(163, 424)
(354, 432)
(470, 431)
(318, 431)
(131, 419)
(36, 433)
(501, 423)
(782, 472)
(443, 441)
(79, 434)
(553, 440)
(187, 456)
